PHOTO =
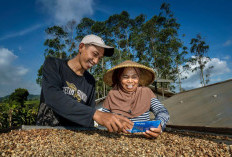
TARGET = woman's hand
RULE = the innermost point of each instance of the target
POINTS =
(153, 132)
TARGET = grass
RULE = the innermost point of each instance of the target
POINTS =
(36, 102)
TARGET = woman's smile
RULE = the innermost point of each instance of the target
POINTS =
(129, 79)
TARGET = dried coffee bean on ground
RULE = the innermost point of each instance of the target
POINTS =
(52, 142)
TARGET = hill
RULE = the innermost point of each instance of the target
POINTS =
(33, 97)
(30, 97)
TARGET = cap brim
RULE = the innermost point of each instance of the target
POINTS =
(108, 50)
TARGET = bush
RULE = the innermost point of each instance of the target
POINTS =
(16, 111)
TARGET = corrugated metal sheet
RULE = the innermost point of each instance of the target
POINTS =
(209, 106)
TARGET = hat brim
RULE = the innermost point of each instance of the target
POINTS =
(147, 75)
(108, 50)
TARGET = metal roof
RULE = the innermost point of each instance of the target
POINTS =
(209, 106)
(164, 81)
(166, 92)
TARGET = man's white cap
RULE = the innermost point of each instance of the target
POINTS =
(96, 40)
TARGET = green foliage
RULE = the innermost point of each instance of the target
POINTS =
(60, 44)
(16, 111)
(200, 59)
(39, 76)
(153, 42)
(19, 96)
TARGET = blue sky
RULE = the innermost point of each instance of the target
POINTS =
(23, 23)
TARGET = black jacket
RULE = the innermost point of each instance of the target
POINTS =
(66, 98)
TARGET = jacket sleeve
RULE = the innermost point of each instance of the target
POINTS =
(160, 112)
(61, 103)
(105, 110)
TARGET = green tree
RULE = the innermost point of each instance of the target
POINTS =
(151, 31)
(169, 43)
(70, 38)
(199, 48)
(19, 95)
(16, 106)
(162, 43)
(56, 42)
(119, 25)
(84, 28)
(60, 44)
(138, 42)
(180, 59)
(153, 42)
(16, 110)
(4, 115)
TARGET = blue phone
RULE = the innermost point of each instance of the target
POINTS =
(143, 126)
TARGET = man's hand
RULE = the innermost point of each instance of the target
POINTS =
(126, 126)
(113, 122)
(153, 132)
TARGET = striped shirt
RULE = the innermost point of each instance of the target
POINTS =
(158, 109)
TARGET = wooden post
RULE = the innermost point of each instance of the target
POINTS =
(162, 90)
(104, 86)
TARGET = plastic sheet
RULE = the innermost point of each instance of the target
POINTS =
(143, 126)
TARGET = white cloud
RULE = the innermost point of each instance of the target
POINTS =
(228, 43)
(62, 11)
(12, 76)
(193, 78)
(9, 73)
(6, 57)
(220, 67)
(21, 32)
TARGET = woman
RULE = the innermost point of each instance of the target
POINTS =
(129, 96)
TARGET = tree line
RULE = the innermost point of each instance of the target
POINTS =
(154, 42)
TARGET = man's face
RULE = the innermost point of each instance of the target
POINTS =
(90, 55)
(129, 79)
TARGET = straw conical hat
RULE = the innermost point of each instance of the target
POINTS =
(147, 75)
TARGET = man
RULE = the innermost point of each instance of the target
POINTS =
(68, 89)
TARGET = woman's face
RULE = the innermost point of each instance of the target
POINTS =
(129, 79)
